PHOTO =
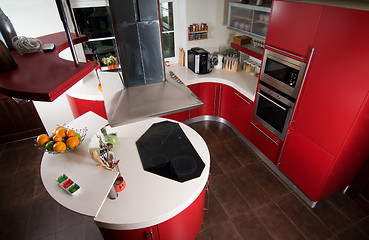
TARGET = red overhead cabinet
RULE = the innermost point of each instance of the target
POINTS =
(292, 27)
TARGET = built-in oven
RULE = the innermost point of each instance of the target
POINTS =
(273, 111)
(279, 84)
(282, 72)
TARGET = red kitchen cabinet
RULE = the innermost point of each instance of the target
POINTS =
(337, 80)
(81, 106)
(292, 26)
(305, 163)
(136, 234)
(179, 116)
(207, 94)
(195, 89)
(184, 226)
(225, 102)
(265, 141)
(242, 111)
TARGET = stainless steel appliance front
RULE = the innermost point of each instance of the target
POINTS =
(282, 72)
(273, 111)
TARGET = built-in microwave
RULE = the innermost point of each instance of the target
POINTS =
(282, 72)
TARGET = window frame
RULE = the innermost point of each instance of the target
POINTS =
(102, 3)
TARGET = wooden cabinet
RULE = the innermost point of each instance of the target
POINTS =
(305, 163)
(265, 141)
(292, 26)
(18, 121)
(242, 111)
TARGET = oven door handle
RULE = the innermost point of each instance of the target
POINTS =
(272, 101)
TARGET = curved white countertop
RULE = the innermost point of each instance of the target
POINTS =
(147, 200)
(242, 81)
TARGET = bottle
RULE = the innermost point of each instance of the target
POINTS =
(6, 60)
(7, 30)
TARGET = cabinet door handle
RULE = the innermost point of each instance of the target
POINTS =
(238, 95)
(151, 235)
(275, 142)
(215, 99)
(302, 85)
(296, 56)
(284, 143)
(219, 100)
(272, 101)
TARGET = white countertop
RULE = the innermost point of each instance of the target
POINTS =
(148, 199)
(242, 81)
(95, 182)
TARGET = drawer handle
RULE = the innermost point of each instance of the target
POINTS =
(275, 142)
(151, 235)
(238, 95)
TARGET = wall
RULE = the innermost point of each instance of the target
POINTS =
(215, 14)
(32, 19)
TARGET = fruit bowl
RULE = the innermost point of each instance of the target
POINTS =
(64, 139)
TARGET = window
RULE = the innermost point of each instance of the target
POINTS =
(166, 11)
(93, 20)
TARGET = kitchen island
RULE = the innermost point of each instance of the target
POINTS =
(149, 202)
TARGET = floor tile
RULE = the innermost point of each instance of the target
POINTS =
(331, 217)
(225, 230)
(277, 223)
(303, 218)
(250, 227)
(228, 196)
(252, 192)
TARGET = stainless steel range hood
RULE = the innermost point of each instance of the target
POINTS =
(140, 89)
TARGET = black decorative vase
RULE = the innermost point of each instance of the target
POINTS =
(7, 30)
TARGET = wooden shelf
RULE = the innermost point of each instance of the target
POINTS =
(197, 35)
(249, 49)
(44, 76)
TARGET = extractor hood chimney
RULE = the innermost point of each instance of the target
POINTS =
(140, 89)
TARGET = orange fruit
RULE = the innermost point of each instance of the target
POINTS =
(57, 138)
(56, 129)
(59, 147)
(70, 133)
(42, 139)
(62, 132)
(72, 142)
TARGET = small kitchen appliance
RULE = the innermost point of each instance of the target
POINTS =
(199, 60)
(165, 150)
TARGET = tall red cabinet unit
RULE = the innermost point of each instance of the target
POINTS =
(328, 138)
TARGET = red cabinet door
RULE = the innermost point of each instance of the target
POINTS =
(242, 111)
(195, 89)
(305, 163)
(225, 102)
(337, 80)
(265, 141)
(292, 26)
(149, 233)
(207, 94)
(179, 116)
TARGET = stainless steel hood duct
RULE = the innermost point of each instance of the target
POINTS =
(140, 89)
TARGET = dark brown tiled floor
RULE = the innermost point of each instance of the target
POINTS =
(247, 201)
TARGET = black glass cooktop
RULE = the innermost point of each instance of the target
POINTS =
(166, 151)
